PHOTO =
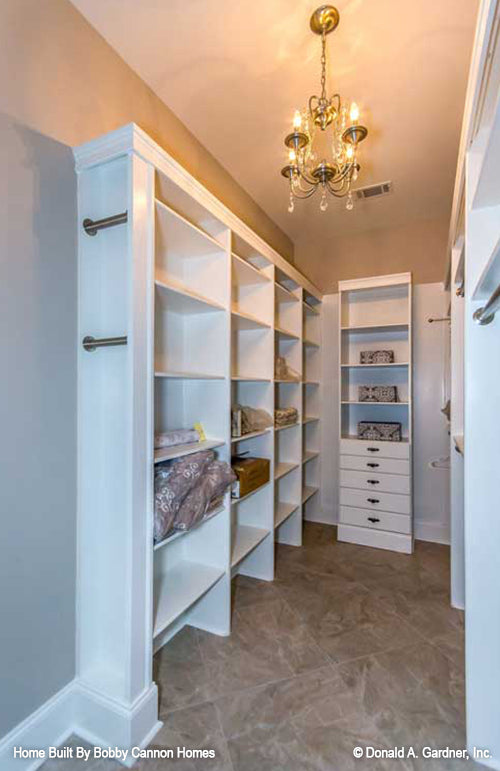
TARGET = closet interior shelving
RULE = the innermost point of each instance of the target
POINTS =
(375, 476)
(207, 306)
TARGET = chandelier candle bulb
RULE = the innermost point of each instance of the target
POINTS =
(332, 175)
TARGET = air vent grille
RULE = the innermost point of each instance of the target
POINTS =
(373, 191)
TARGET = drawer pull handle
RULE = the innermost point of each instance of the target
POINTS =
(373, 465)
(373, 519)
(373, 449)
(373, 500)
(373, 481)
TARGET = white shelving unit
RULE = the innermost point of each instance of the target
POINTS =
(205, 306)
(375, 507)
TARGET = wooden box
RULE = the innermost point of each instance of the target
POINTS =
(252, 473)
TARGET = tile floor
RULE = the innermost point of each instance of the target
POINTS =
(349, 646)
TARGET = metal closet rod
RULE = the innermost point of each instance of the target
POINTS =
(91, 227)
(486, 314)
(91, 343)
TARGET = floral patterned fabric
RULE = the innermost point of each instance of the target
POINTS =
(216, 479)
(184, 489)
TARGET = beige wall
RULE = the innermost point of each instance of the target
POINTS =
(419, 247)
(58, 76)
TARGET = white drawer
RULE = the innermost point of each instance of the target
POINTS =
(400, 504)
(375, 464)
(368, 480)
(375, 449)
(378, 520)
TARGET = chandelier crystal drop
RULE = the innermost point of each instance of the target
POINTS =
(327, 130)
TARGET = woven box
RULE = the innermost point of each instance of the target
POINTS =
(378, 393)
(379, 432)
(376, 357)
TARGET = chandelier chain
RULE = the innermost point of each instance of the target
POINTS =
(323, 64)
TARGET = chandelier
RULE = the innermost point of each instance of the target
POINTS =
(326, 129)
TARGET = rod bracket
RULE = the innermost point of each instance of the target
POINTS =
(92, 227)
(92, 344)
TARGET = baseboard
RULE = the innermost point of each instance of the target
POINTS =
(50, 725)
(105, 722)
(431, 531)
(76, 709)
(324, 516)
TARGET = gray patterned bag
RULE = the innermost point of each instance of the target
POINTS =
(379, 432)
(376, 357)
(378, 393)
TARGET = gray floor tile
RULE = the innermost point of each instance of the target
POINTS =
(350, 646)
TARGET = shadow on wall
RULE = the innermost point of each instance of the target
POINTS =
(38, 302)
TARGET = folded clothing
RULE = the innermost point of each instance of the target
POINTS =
(285, 416)
(178, 436)
(186, 489)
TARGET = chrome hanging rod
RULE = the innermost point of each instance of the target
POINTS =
(91, 344)
(486, 314)
(91, 227)
(445, 318)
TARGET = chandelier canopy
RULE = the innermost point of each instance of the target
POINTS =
(322, 147)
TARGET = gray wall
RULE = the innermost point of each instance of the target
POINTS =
(37, 419)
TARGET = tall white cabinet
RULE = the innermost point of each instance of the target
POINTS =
(375, 495)
(191, 308)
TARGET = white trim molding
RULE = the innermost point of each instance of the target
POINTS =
(132, 139)
(77, 710)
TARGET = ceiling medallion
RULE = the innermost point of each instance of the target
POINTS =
(327, 127)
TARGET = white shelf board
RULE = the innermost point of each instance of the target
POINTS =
(284, 380)
(184, 237)
(290, 425)
(401, 327)
(245, 540)
(183, 301)
(180, 450)
(310, 310)
(247, 274)
(310, 419)
(282, 511)
(378, 404)
(286, 334)
(394, 365)
(281, 469)
(174, 375)
(182, 533)
(244, 321)
(309, 456)
(249, 379)
(310, 344)
(251, 435)
(311, 382)
(404, 440)
(180, 588)
(308, 492)
(235, 501)
(284, 295)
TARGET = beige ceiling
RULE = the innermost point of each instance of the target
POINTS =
(234, 72)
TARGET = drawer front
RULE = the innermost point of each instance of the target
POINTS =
(380, 520)
(375, 449)
(399, 504)
(367, 480)
(375, 465)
